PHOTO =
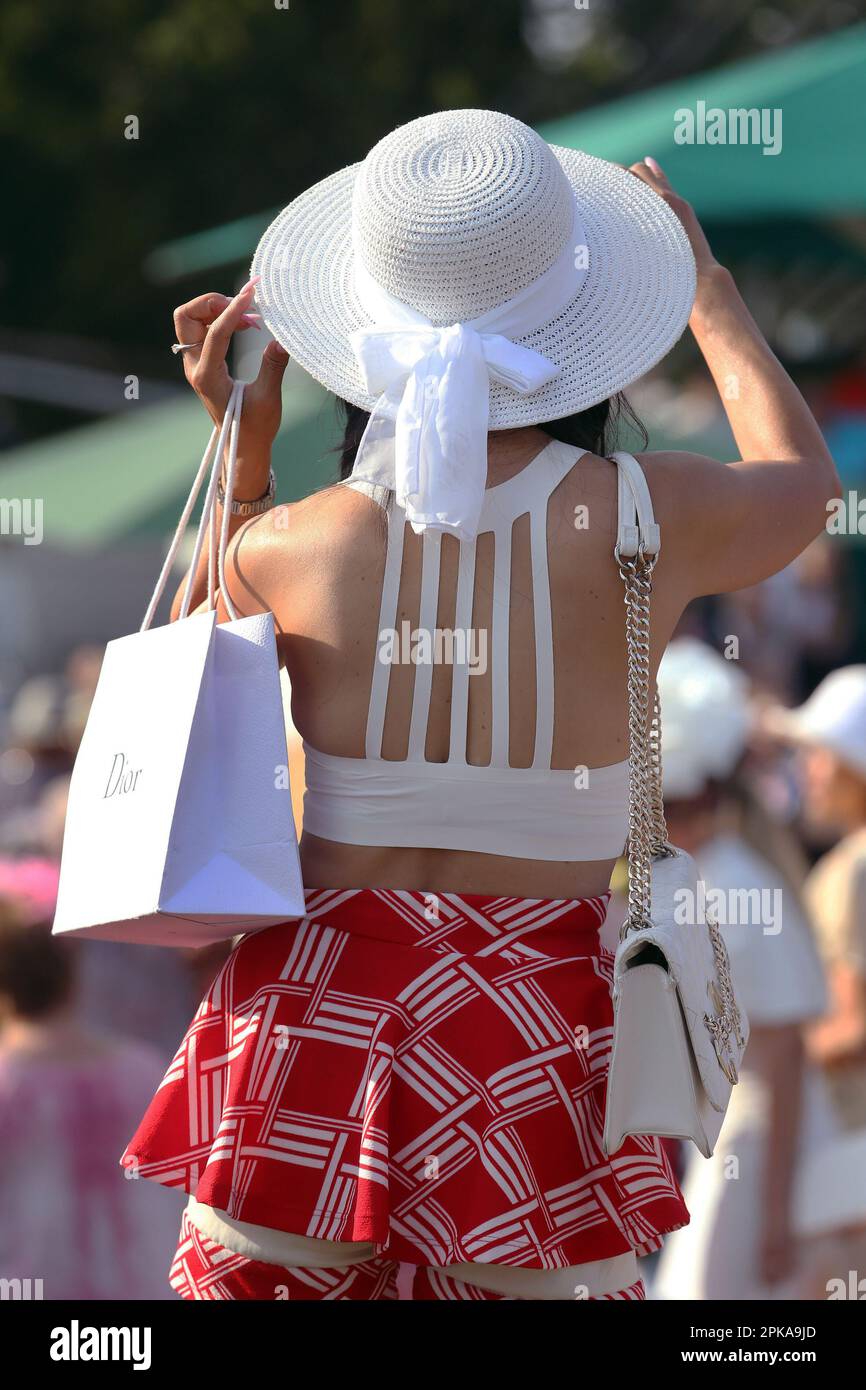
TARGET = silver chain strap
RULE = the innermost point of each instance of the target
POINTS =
(661, 844)
(647, 833)
(647, 829)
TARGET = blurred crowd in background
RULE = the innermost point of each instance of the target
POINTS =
(88, 1028)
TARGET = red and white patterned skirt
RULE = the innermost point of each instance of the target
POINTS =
(426, 1072)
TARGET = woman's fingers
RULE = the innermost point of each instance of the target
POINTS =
(655, 167)
(192, 323)
(272, 369)
(192, 320)
(209, 321)
(210, 370)
(651, 173)
(265, 393)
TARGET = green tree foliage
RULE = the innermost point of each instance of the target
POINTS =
(240, 104)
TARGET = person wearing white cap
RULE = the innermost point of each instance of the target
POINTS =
(741, 1242)
(452, 624)
(830, 729)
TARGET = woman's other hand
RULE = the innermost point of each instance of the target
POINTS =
(649, 171)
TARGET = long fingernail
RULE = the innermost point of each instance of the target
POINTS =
(652, 164)
(248, 286)
(248, 321)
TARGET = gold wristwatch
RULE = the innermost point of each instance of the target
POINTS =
(254, 508)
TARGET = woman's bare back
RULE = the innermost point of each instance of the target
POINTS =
(333, 550)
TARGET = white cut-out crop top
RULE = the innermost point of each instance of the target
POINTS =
(535, 812)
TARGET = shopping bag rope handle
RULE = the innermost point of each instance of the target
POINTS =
(212, 457)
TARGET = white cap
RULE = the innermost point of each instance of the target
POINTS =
(705, 716)
(834, 716)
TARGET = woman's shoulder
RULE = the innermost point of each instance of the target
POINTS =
(706, 514)
(678, 483)
(310, 518)
(676, 477)
(322, 533)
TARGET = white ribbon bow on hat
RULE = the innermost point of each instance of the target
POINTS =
(427, 434)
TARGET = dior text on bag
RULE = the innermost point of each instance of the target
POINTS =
(679, 1028)
(179, 828)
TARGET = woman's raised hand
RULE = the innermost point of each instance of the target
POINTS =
(649, 171)
(209, 321)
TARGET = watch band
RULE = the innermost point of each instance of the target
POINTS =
(254, 508)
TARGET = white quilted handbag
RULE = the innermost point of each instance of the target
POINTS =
(679, 1028)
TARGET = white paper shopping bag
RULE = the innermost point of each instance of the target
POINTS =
(179, 827)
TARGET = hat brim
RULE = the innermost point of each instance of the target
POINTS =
(631, 308)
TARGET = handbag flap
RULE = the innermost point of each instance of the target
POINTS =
(698, 963)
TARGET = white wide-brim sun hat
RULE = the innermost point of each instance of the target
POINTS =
(455, 214)
(833, 717)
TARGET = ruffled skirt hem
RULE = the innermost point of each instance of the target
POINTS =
(423, 1072)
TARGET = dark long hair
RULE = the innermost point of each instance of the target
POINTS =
(594, 429)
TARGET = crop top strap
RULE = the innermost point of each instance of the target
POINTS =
(637, 528)
(387, 622)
